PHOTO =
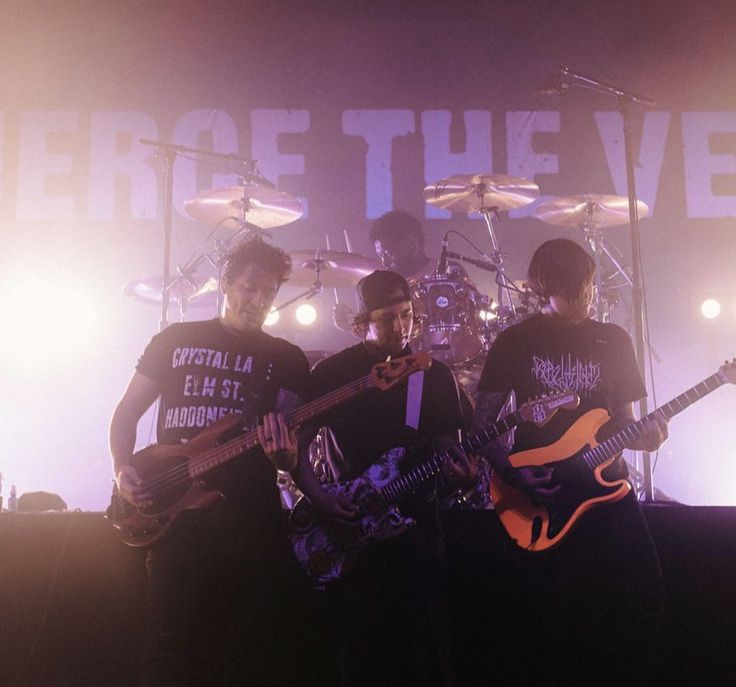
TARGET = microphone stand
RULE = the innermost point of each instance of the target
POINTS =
(625, 100)
(170, 151)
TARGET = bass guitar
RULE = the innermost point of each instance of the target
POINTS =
(325, 548)
(175, 474)
(578, 461)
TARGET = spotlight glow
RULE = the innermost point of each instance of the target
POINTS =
(487, 315)
(710, 308)
(306, 314)
(272, 318)
(50, 320)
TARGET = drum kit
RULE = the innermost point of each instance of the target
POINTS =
(454, 321)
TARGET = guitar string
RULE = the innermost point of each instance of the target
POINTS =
(240, 444)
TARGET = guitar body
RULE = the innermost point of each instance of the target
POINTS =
(325, 550)
(537, 527)
(178, 492)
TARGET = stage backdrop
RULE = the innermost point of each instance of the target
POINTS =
(353, 107)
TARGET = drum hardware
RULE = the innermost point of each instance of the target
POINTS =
(591, 213)
(487, 194)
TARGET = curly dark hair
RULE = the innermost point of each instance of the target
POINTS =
(256, 251)
(560, 267)
(397, 222)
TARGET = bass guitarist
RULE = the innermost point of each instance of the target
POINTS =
(594, 600)
(220, 581)
(384, 614)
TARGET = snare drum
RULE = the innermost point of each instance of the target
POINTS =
(447, 321)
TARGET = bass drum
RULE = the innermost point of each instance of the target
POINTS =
(447, 321)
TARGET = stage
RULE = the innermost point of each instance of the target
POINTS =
(71, 610)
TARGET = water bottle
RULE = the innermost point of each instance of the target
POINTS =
(13, 500)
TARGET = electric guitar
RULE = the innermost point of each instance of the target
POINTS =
(175, 474)
(578, 461)
(326, 548)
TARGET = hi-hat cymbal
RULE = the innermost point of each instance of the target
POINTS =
(336, 268)
(476, 192)
(258, 205)
(588, 210)
(148, 290)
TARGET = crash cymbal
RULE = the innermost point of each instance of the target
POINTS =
(473, 192)
(148, 290)
(258, 205)
(336, 268)
(588, 210)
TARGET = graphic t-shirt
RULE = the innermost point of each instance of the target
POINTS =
(207, 372)
(375, 421)
(547, 353)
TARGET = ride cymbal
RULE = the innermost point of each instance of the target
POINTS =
(477, 192)
(261, 206)
(334, 268)
(588, 210)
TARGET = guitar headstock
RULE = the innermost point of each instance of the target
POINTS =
(727, 372)
(542, 409)
(392, 371)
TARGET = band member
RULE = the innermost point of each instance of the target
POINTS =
(385, 612)
(398, 239)
(219, 580)
(595, 600)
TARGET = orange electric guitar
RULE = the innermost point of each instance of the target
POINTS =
(175, 474)
(578, 460)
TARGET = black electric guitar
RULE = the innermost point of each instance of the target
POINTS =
(578, 460)
(175, 474)
(326, 549)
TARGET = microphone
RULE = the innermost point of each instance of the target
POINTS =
(483, 264)
(442, 262)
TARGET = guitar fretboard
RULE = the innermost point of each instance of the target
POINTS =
(623, 438)
(408, 482)
(240, 444)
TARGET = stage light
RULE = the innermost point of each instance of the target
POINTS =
(49, 319)
(272, 318)
(487, 315)
(306, 314)
(710, 308)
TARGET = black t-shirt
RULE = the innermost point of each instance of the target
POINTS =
(375, 421)
(207, 372)
(548, 353)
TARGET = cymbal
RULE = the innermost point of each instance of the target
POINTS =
(148, 290)
(259, 205)
(336, 268)
(473, 192)
(588, 210)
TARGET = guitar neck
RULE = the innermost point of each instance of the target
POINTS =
(623, 438)
(234, 447)
(408, 482)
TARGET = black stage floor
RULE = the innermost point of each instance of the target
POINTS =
(71, 610)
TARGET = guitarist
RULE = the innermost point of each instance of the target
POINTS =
(384, 614)
(214, 577)
(594, 601)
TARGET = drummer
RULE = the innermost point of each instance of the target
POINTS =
(398, 239)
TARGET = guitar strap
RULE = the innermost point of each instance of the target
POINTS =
(414, 399)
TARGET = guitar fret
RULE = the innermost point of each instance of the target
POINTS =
(619, 441)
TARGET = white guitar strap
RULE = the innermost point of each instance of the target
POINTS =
(414, 399)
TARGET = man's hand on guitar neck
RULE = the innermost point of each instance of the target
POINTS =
(278, 441)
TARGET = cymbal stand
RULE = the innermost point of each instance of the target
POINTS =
(602, 301)
(504, 292)
(170, 152)
(315, 289)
